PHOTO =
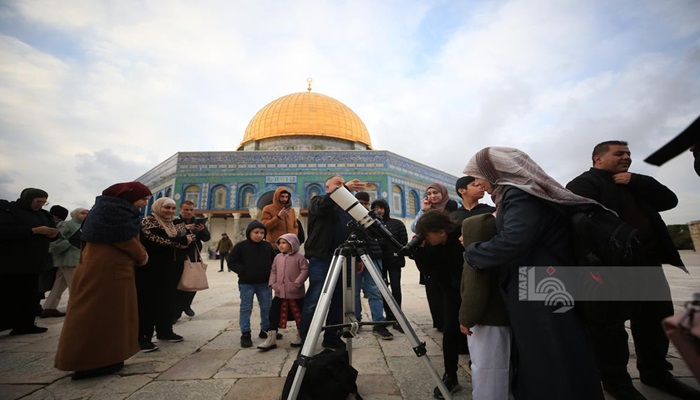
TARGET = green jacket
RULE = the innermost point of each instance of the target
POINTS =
(63, 252)
(482, 302)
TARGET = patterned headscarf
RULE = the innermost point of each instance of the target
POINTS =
(166, 223)
(445, 196)
(506, 166)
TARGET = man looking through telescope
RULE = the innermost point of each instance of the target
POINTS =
(328, 229)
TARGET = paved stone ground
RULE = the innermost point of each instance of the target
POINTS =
(210, 364)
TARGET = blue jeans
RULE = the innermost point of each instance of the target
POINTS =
(264, 294)
(374, 296)
(318, 269)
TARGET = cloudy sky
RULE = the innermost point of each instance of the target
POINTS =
(96, 92)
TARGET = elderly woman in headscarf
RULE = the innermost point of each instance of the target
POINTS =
(25, 232)
(554, 355)
(436, 198)
(101, 324)
(156, 283)
(66, 254)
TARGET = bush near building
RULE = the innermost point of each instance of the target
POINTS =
(681, 236)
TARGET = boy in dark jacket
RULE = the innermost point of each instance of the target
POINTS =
(391, 263)
(252, 259)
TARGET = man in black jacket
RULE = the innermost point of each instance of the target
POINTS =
(637, 199)
(327, 230)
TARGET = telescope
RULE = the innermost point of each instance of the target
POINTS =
(373, 226)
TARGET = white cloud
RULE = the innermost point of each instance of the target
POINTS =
(112, 88)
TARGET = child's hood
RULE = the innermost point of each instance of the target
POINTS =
(252, 225)
(292, 239)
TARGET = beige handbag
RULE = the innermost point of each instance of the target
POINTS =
(683, 329)
(194, 275)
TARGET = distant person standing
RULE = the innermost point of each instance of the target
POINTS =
(183, 300)
(25, 232)
(222, 249)
(279, 217)
(66, 254)
(101, 326)
(637, 199)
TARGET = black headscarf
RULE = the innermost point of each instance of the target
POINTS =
(28, 195)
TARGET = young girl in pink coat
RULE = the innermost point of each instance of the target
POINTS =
(289, 272)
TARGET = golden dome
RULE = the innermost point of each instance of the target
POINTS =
(306, 114)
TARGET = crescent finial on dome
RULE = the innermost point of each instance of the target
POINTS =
(309, 80)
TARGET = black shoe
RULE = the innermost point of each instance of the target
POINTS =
(221, 270)
(189, 312)
(91, 373)
(672, 386)
(262, 335)
(397, 327)
(52, 313)
(381, 332)
(622, 390)
(147, 347)
(28, 331)
(171, 337)
(452, 386)
(246, 341)
(333, 344)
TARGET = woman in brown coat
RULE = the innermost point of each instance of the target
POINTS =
(101, 326)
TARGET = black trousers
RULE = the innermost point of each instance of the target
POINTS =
(18, 294)
(155, 291)
(223, 260)
(610, 341)
(392, 277)
(451, 335)
(435, 303)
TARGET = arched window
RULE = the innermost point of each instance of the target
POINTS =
(218, 197)
(311, 191)
(245, 195)
(168, 192)
(397, 200)
(192, 194)
(414, 202)
(371, 190)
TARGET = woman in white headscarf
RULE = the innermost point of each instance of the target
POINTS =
(554, 355)
(155, 283)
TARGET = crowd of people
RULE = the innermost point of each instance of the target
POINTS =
(122, 272)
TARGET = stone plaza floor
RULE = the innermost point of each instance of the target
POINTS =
(210, 363)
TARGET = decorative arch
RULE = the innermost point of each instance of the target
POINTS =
(245, 196)
(372, 190)
(218, 197)
(168, 191)
(397, 200)
(312, 190)
(414, 202)
(193, 194)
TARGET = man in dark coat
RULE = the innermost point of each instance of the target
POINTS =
(637, 199)
(327, 230)
(25, 232)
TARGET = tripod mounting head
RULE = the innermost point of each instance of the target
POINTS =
(366, 222)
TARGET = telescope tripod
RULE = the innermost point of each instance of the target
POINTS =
(350, 250)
